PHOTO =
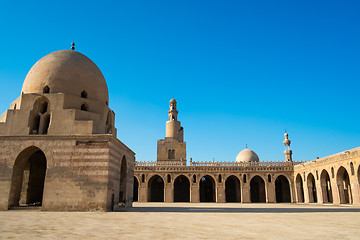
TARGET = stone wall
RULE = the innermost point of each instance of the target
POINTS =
(80, 170)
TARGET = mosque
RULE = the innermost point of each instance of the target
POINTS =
(333, 179)
(59, 151)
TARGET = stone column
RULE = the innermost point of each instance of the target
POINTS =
(169, 193)
(324, 190)
(245, 195)
(355, 190)
(319, 192)
(306, 192)
(221, 197)
(335, 191)
(143, 196)
(270, 193)
(194, 193)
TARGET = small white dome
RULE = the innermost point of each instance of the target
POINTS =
(247, 155)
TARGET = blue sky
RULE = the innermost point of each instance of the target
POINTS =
(241, 71)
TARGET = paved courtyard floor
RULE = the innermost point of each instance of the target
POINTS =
(188, 221)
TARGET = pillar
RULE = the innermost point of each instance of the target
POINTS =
(143, 196)
(355, 189)
(270, 193)
(220, 192)
(169, 193)
(319, 192)
(194, 193)
(306, 192)
(335, 191)
(245, 195)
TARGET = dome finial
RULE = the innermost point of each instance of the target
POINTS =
(246, 146)
(73, 46)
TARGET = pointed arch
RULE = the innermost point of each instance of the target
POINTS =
(46, 89)
(181, 189)
(257, 189)
(326, 187)
(207, 189)
(84, 94)
(344, 186)
(282, 189)
(39, 119)
(311, 188)
(232, 189)
(156, 189)
(84, 107)
(28, 178)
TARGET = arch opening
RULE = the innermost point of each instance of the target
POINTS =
(181, 189)
(257, 190)
(136, 190)
(84, 107)
(311, 188)
(299, 188)
(207, 189)
(232, 189)
(156, 189)
(282, 189)
(326, 187)
(39, 119)
(122, 186)
(344, 187)
(46, 89)
(84, 94)
(28, 178)
(109, 123)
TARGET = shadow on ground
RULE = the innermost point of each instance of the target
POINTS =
(243, 210)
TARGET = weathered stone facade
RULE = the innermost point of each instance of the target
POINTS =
(333, 179)
(58, 145)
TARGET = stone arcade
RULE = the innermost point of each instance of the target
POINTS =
(58, 145)
(334, 179)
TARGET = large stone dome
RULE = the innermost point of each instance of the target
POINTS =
(247, 155)
(68, 72)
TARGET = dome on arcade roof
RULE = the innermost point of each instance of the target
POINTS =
(247, 155)
(68, 72)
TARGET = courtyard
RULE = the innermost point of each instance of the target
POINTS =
(188, 221)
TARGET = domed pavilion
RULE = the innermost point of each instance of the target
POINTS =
(59, 149)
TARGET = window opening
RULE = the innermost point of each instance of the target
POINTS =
(84, 94)
(84, 107)
(46, 89)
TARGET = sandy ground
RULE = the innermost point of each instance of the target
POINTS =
(188, 221)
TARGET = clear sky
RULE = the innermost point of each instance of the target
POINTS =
(241, 71)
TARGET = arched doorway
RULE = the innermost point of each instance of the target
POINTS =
(207, 189)
(282, 189)
(122, 188)
(311, 188)
(299, 188)
(27, 184)
(136, 190)
(257, 190)
(326, 187)
(181, 189)
(232, 189)
(156, 189)
(344, 187)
